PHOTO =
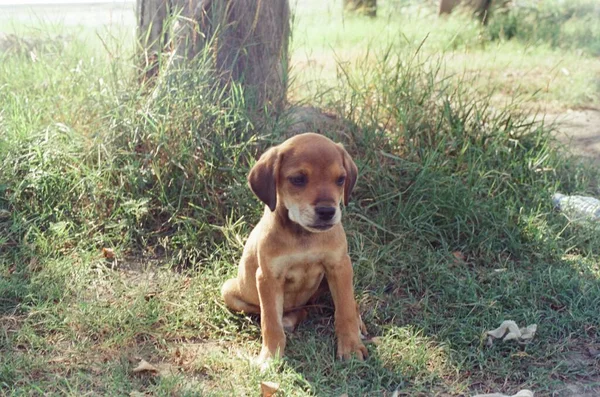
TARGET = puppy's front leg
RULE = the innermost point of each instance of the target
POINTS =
(347, 327)
(270, 293)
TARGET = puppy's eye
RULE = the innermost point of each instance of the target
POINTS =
(340, 181)
(299, 180)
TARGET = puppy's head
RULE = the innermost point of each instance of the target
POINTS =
(308, 176)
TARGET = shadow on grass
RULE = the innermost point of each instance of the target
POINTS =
(429, 332)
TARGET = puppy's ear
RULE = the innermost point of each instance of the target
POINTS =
(263, 177)
(351, 174)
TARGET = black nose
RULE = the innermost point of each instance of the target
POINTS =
(325, 213)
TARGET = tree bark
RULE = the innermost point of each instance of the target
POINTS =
(480, 8)
(246, 41)
(365, 7)
(152, 35)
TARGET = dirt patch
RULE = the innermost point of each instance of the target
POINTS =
(580, 131)
(581, 364)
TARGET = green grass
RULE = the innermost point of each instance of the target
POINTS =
(451, 228)
(552, 60)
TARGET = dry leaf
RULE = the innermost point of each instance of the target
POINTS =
(108, 253)
(376, 340)
(145, 366)
(459, 256)
(268, 388)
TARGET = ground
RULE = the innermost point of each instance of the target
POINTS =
(121, 215)
(580, 130)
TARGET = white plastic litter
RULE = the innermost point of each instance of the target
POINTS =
(578, 208)
(509, 330)
(521, 393)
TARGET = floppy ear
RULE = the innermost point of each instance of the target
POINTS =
(263, 176)
(351, 174)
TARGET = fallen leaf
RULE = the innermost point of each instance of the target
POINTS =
(459, 256)
(268, 388)
(108, 253)
(145, 366)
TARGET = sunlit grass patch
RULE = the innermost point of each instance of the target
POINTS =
(416, 357)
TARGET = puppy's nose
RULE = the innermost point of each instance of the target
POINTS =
(325, 213)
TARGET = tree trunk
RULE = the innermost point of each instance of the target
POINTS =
(365, 7)
(247, 41)
(480, 8)
(152, 35)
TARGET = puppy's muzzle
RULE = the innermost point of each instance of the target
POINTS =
(325, 217)
(325, 213)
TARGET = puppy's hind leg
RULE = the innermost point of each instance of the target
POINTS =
(293, 318)
(233, 298)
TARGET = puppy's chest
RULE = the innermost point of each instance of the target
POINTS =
(301, 268)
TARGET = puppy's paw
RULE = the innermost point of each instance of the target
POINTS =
(351, 345)
(264, 360)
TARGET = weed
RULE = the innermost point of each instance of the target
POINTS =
(564, 25)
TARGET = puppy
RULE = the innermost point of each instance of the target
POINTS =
(299, 246)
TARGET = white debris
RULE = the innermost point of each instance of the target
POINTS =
(509, 330)
(578, 208)
(521, 393)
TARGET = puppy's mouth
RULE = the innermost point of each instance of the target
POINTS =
(312, 220)
(321, 226)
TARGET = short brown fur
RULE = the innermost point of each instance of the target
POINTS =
(299, 245)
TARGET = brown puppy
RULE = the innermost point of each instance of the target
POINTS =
(298, 242)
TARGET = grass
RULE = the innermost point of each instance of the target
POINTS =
(451, 228)
(553, 64)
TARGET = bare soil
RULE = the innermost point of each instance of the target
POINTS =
(579, 130)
